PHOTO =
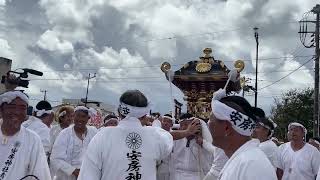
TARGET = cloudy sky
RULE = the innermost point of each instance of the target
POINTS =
(125, 42)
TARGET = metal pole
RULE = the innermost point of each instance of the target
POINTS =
(316, 10)
(45, 94)
(89, 77)
(85, 103)
(256, 35)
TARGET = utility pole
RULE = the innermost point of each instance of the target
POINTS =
(316, 10)
(45, 94)
(314, 43)
(89, 77)
(256, 36)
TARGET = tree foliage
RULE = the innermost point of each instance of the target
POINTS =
(294, 106)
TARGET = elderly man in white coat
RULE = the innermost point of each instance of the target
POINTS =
(263, 131)
(231, 124)
(297, 160)
(190, 159)
(165, 169)
(71, 145)
(21, 151)
(129, 150)
(40, 123)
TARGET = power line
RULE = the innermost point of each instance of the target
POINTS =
(202, 34)
(157, 77)
(158, 65)
(184, 36)
(287, 74)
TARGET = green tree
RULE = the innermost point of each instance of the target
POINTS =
(295, 105)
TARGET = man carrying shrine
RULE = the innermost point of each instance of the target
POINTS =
(190, 159)
(231, 124)
(128, 151)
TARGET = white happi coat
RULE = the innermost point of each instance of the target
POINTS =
(318, 175)
(35, 124)
(164, 169)
(54, 132)
(300, 165)
(29, 157)
(271, 151)
(248, 163)
(129, 150)
(219, 160)
(68, 151)
(190, 163)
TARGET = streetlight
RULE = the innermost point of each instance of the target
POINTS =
(256, 36)
(89, 77)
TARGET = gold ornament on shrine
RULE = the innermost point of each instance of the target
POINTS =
(239, 65)
(204, 65)
(165, 67)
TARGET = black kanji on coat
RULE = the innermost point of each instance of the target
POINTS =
(134, 165)
(133, 176)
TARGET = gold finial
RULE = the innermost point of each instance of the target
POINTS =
(239, 65)
(165, 67)
(207, 52)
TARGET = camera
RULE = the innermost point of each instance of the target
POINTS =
(21, 80)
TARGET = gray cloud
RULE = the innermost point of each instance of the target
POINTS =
(112, 34)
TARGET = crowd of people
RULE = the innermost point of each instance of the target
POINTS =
(236, 143)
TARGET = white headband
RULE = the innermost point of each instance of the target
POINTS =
(91, 112)
(9, 96)
(241, 123)
(299, 125)
(132, 111)
(270, 129)
(111, 120)
(62, 113)
(42, 112)
(172, 119)
(267, 127)
(187, 119)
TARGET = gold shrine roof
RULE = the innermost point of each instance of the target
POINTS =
(207, 68)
